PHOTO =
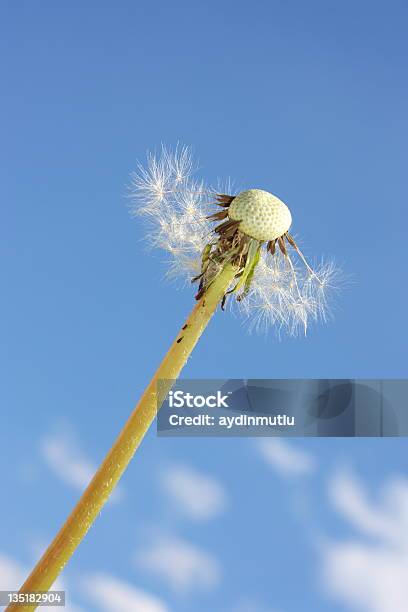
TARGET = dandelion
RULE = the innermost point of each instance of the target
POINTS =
(231, 246)
(281, 290)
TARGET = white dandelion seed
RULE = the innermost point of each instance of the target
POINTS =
(276, 286)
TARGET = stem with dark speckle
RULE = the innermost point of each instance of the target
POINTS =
(106, 478)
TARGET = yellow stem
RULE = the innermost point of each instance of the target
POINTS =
(96, 494)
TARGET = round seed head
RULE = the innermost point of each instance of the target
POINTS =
(263, 216)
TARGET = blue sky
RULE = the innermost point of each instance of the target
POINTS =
(304, 99)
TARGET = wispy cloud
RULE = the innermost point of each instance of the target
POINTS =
(11, 574)
(285, 458)
(64, 457)
(113, 595)
(387, 519)
(194, 494)
(67, 461)
(182, 565)
(368, 570)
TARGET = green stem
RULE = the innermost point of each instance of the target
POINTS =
(101, 486)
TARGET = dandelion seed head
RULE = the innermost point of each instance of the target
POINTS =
(263, 216)
(285, 293)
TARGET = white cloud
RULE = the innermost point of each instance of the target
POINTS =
(68, 462)
(194, 494)
(183, 566)
(368, 572)
(285, 458)
(13, 574)
(113, 595)
(367, 578)
(387, 520)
